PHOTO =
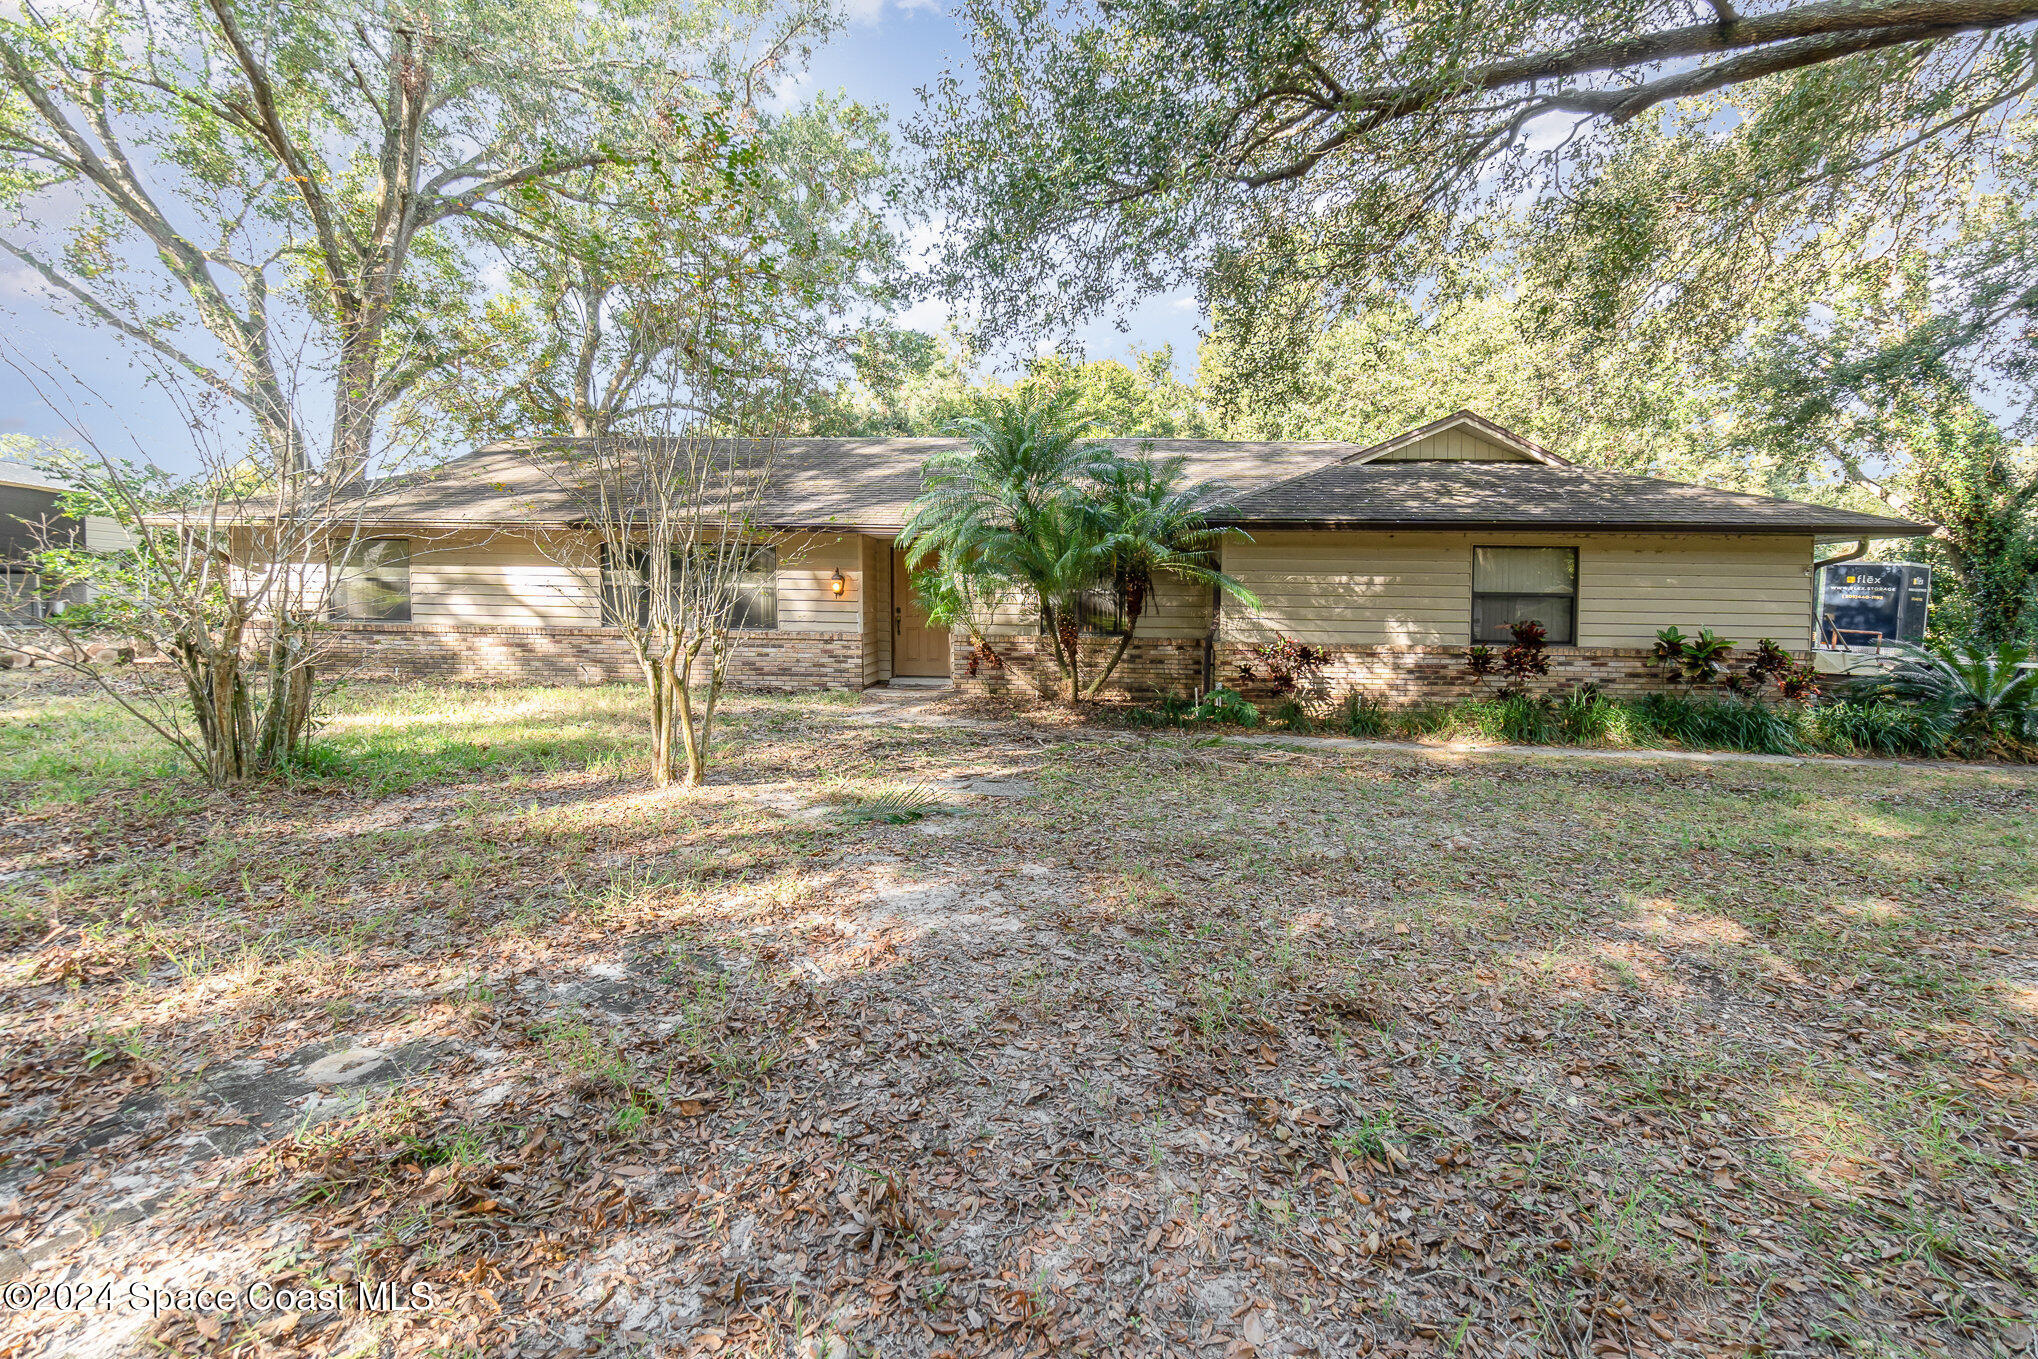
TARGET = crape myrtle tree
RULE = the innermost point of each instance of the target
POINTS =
(1656, 162)
(226, 571)
(672, 494)
(674, 507)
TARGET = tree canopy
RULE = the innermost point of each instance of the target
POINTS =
(1649, 159)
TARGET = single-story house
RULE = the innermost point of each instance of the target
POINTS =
(1392, 558)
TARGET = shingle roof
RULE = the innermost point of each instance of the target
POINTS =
(867, 485)
(816, 483)
(1532, 495)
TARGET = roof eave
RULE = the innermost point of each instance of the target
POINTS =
(1886, 528)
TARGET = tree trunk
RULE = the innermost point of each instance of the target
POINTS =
(355, 403)
(1135, 605)
(1070, 632)
(659, 687)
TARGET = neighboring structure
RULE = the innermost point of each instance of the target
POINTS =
(32, 518)
(1394, 558)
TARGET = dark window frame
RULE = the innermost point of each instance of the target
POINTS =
(1499, 635)
(1101, 602)
(346, 605)
(756, 604)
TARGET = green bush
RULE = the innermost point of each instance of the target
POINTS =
(1722, 723)
(1990, 696)
(1853, 723)
(1360, 716)
(1881, 726)
(1585, 716)
(1415, 723)
(1227, 706)
(1521, 720)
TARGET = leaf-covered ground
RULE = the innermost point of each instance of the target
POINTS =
(912, 1037)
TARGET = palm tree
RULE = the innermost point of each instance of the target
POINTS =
(1003, 509)
(1024, 456)
(1146, 523)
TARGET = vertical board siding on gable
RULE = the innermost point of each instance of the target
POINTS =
(1452, 445)
(1415, 589)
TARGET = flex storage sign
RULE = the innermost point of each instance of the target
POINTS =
(1864, 605)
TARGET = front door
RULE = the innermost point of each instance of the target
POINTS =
(916, 648)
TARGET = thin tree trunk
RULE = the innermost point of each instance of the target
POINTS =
(1071, 633)
(1135, 605)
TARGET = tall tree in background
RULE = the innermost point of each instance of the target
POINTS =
(257, 180)
(605, 266)
(1854, 395)
(911, 383)
(1294, 161)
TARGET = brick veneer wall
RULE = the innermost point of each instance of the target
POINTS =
(1394, 676)
(1150, 668)
(1401, 676)
(480, 654)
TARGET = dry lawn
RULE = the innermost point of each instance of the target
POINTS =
(912, 1039)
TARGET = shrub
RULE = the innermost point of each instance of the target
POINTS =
(1287, 662)
(1480, 661)
(1523, 720)
(1360, 716)
(1722, 723)
(1290, 714)
(1991, 696)
(1882, 726)
(1696, 660)
(1227, 706)
(1585, 715)
(1524, 659)
(1427, 720)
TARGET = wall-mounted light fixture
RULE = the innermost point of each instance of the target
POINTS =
(836, 584)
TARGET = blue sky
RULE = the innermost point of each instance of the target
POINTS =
(887, 52)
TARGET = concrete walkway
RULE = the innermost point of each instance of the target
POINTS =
(925, 710)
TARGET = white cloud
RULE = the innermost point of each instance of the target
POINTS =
(929, 314)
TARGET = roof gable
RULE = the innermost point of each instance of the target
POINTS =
(1462, 436)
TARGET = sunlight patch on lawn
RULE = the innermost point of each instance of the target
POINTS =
(1664, 919)
(1831, 1145)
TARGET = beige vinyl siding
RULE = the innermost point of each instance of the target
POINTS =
(805, 601)
(1742, 588)
(504, 579)
(1177, 610)
(1415, 589)
(1452, 445)
(524, 580)
(876, 597)
(104, 534)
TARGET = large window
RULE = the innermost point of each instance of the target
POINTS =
(1518, 584)
(374, 583)
(754, 588)
(1100, 610)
